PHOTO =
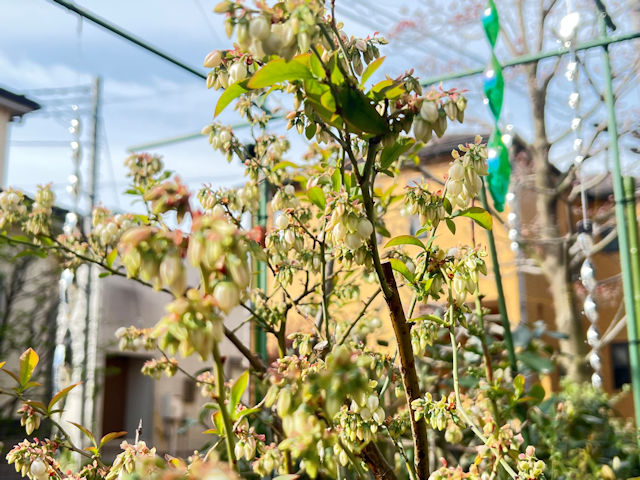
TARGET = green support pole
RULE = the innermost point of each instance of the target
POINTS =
(502, 307)
(629, 185)
(259, 335)
(623, 233)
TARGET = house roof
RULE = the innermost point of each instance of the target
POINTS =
(444, 145)
(17, 105)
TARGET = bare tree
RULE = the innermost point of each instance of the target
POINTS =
(546, 170)
(28, 305)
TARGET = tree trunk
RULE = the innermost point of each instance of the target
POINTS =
(556, 263)
(567, 320)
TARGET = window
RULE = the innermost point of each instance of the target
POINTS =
(620, 364)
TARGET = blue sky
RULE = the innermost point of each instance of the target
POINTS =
(147, 99)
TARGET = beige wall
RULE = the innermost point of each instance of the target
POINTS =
(5, 118)
(126, 303)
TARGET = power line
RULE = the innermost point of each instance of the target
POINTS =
(84, 13)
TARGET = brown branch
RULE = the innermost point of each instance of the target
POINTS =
(255, 361)
(408, 370)
(377, 463)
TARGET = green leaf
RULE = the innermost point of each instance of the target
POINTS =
(336, 180)
(400, 267)
(427, 283)
(337, 78)
(288, 476)
(284, 164)
(478, 215)
(316, 67)
(28, 361)
(310, 131)
(86, 432)
(247, 411)
(327, 101)
(430, 317)
(447, 205)
(393, 152)
(230, 93)
(359, 113)
(2, 364)
(219, 422)
(20, 239)
(237, 390)
(537, 392)
(536, 362)
(61, 394)
(37, 405)
(111, 436)
(28, 251)
(370, 70)
(104, 274)
(316, 196)
(111, 257)
(382, 85)
(279, 70)
(450, 225)
(405, 240)
(518, 384)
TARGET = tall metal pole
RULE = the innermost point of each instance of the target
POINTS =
(91, 325)
(502, 307)
(629, 184)
(95, 159)
(623, 231)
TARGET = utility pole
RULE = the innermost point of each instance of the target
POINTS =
(91, 289)
(95, 146)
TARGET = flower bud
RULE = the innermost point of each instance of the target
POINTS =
(352, 221)
(173, 274)
(284, 403)
(282, 222)
(38, 468)
(365, 229)
(223, 6)
(378, 415)
(239, 449)
(148, 267)
(365, 413)
(131, 261)
(440, 126)
(456, 171)
(227, 295)
(289, 237)
(242, 35)
(237, 72)
(353, 241)
(223, 78)
(451, 110)
(339, 232)
(304, 42)
(195, 250)
(259, 27)
(213, 59)
(429, 111)
(239, 271)
(224, 136)
(422, 130)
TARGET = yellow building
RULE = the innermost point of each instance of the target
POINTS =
(527, 294)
